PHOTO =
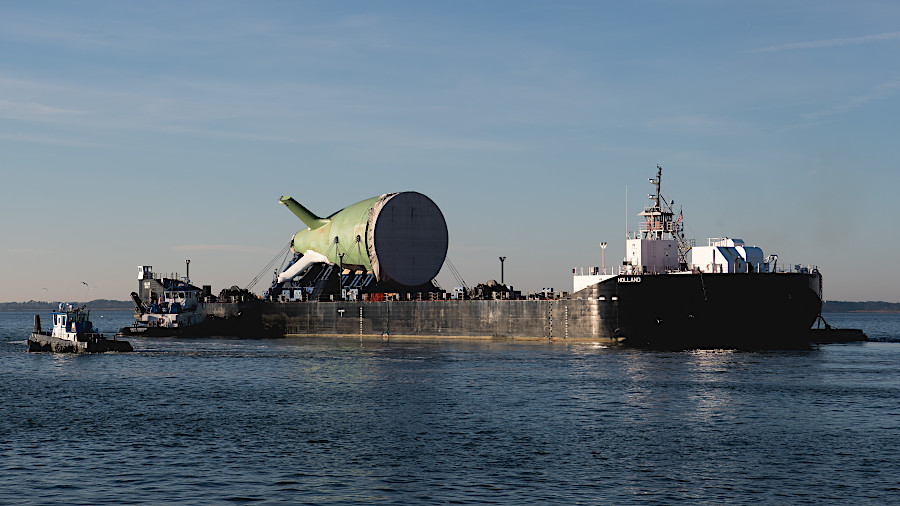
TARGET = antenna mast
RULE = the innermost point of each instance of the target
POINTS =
(659, 222)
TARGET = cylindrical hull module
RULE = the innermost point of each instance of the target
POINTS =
(401, 237)
(406, 238)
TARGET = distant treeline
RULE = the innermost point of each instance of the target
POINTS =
(838, 306)
(39, 305)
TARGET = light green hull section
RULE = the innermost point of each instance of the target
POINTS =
(348, 226)
(396, 236)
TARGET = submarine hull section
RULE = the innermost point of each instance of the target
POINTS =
(400, 237)
(407, 239)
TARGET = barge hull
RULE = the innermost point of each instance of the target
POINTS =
(45, 343)
(658, 311)
(714, 310)
(477, 319)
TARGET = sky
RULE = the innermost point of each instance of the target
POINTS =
(149, 133)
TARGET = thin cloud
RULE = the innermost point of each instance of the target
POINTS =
(33, 111)
(52, 140)
(880, 92)
(838, 42)
(687, 122)
(195, 108)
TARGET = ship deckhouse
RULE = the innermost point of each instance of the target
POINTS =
(658, 245)
(72, 324)
(723, 255)
(185, 297)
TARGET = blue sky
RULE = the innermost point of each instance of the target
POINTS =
(152, 132)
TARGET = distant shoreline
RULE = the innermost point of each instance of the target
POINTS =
(868, 311)
(838, 306)
(97, 305)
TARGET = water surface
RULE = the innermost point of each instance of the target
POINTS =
(343, 421)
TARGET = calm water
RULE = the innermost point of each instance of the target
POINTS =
(343, 421)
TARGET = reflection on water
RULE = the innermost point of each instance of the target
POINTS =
(712, 398)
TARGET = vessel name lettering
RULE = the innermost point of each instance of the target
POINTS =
(630, 279)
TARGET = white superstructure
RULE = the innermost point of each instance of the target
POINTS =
(658, 246)
(72, 324)
(177, 309)
(725, 255)
(650, 256)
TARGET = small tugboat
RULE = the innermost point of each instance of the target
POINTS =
(72, 332)
(164, 307)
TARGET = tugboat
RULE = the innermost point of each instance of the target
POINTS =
(72, 332)
(165, 307)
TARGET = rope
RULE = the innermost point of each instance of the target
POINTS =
(282, 266)
(456, 274)
(268, 267)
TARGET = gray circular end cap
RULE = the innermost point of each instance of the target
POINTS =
(410, 239)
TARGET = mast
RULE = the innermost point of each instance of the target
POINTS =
(659, 222)
(658, 184)
(658, 216)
